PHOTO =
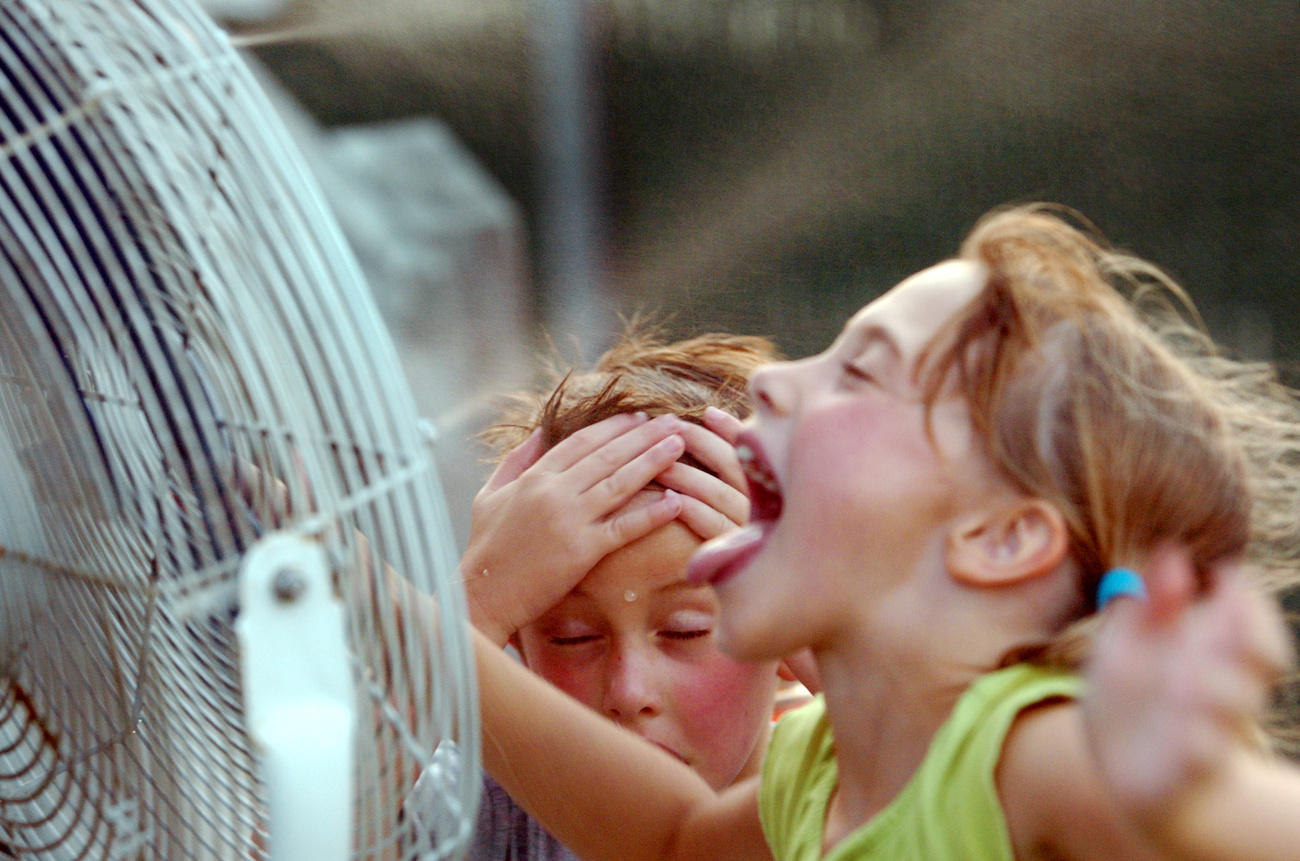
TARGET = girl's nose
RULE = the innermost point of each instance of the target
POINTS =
(630, 686)
(770, 386)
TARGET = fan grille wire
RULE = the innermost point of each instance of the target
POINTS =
(188, 359)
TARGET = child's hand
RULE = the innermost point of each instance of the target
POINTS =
(1173, 681)
(711, 504)
(543, 520)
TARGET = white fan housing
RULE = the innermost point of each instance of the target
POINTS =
(190, 366)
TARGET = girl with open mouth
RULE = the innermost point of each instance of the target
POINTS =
(942, 502)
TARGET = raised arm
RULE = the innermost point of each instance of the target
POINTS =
(1173, 682)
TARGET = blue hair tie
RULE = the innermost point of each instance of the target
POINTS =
(1119, 583)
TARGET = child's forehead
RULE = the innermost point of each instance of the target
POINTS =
(635, 599)
(914, 308)
(665, 589)
(652, 564)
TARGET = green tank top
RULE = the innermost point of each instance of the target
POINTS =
(948, 810)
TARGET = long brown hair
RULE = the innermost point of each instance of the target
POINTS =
(1093, 385)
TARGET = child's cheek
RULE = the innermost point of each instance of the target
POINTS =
(722, 708)
(575, 677)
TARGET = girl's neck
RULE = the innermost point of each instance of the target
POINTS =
(888, 692)
(883, 719)
(893, 671)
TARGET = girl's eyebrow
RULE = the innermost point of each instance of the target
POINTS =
(862, 337)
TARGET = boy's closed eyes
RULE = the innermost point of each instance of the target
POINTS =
(635, 642)
(666, 619)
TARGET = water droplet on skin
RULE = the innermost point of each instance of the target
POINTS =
(629, 596)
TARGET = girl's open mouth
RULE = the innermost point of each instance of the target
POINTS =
(717, 560)
(764, 489)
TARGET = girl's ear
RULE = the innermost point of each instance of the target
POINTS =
(1018, 541)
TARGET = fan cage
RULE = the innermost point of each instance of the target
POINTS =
(189, 360)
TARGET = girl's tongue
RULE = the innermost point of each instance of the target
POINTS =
(716, 560)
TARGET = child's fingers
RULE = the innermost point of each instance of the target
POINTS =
(266, 495)
(714, 452)
(639, 519)
(802, 666)
(1204, 744)
(1248, 626)
(712, 491)
(513, 464)
(617, 487)
(302, 483)
(1170, 580)
(723, 423)
(1229, 694)
(616, 454)
(579, 446)
(704, 520)
(1271, 640)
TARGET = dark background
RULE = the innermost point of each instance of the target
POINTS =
(768, 166)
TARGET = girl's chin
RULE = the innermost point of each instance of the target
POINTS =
(744, 630)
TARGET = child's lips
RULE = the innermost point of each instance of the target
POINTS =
(669, 751)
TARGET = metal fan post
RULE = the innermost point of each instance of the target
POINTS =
(299, 700)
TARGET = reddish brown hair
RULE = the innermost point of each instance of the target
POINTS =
(643, 372)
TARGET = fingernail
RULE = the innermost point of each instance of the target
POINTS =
(640, 415)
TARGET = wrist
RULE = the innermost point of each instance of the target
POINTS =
(1170, 820)
(484, 615)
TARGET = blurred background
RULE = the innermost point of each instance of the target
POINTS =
(514, 176)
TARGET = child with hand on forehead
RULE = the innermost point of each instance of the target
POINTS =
(935, 501)
(585, 494)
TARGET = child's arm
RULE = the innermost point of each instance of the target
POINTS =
(601, 790)
(1055, 803)
(1248, 810)
(543, 519)
(1173, 683)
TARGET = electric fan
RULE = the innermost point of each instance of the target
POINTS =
(211, 474)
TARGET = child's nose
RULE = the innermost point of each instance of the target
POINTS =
(630, 686)
(774, 386)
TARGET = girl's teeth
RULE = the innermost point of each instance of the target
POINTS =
(755, 471)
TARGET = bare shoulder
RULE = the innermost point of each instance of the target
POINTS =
(1055, 804)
